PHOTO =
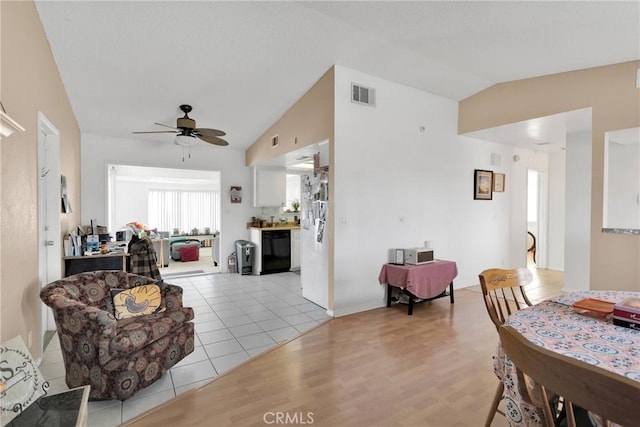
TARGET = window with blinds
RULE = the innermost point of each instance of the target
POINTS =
(184, 210)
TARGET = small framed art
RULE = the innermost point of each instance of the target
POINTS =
(236, 194)
(482, 184)
(498, 182)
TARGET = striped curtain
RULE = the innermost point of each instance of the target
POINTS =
(184, 210)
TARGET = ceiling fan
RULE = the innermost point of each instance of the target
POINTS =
(187, 132)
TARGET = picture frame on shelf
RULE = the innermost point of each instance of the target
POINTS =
(482, 184)
(498, 182)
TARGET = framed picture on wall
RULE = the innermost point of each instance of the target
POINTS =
(235, 194)
(498, 182)
(482, 184)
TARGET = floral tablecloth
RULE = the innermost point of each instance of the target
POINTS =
(555, 325)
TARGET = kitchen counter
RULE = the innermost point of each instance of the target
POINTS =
(278, 227)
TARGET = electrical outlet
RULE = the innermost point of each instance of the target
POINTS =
(29, 339)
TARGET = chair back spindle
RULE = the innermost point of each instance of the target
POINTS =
(504, 293)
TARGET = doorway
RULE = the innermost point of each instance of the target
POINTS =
(49, 210)
(177, 203)
(537, 211)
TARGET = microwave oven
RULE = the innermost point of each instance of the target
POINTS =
(418, 256)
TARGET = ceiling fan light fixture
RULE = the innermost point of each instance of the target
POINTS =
(185, 140)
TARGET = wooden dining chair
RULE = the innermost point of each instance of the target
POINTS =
(531, 245)
(612, 397)
(503, 293)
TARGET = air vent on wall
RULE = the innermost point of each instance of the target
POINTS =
(363, 95)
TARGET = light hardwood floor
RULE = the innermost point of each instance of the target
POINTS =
(376, 368)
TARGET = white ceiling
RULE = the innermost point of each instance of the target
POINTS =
(546, 134)
(242, 64)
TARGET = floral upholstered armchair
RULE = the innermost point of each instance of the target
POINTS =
(115, 337)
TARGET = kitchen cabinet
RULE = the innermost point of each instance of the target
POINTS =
(295, 250)
(269, 187)
(269, 249)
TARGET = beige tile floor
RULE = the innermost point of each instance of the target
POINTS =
(236, 318)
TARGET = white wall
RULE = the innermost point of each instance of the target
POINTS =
(557, 172)
(396, 186)
(99, 151)
(130, 202)
(623, 181)
(578, 206)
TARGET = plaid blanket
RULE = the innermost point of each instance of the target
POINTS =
(144, 259)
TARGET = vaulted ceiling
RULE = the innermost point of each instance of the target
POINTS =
(241, 64)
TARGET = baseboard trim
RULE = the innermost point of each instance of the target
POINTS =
(359, 307)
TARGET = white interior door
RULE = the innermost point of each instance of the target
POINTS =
(537, 213)
(49, 210)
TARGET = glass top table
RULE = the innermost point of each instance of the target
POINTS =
(68, 408)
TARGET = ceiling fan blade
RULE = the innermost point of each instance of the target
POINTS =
(167, 126)
(208, 132)
(157, 131)
(212, 139)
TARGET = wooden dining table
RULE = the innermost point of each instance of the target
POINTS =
(555, 325)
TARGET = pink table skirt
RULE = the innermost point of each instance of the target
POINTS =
(423, 281)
